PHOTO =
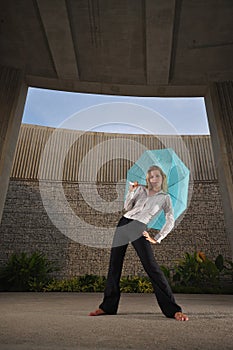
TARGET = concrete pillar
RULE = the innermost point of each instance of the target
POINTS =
(13, 93)
(219, 106)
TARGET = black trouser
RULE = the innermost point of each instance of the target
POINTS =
(129, 230)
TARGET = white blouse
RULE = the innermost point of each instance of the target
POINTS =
(142, 207)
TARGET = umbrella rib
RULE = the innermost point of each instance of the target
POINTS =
(177, 176)
(175, 183)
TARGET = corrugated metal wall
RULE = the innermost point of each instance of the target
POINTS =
(114, 152)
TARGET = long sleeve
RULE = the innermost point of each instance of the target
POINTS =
(169, 224)
(130, 199)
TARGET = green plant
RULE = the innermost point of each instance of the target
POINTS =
(144, 285)
(92, 283)
(225, 267)
(86, 283)
(71, 285)
(129, 284)
(196, 270)
(219, 262)
(25, 272)
(135, 284)
(228, 269)
(167, 273)
(193, 274)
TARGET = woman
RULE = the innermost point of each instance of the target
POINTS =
(142, 204)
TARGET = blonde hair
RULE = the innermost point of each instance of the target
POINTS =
(164, 176)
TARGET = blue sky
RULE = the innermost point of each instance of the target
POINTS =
(55, 108)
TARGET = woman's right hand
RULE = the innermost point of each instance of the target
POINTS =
(133, 186)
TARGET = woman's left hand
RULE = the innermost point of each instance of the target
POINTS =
(148, 237)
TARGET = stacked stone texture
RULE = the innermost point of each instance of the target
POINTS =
(26, 227)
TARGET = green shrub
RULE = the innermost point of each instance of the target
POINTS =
(93, 283)
(26, 272)
(129, 284)
(193, 274)
(167, 273)
(219, 262)
(144, 285)
(196, 270)
(86, 283)
(225, 267)
(71, 285)
(135, 284)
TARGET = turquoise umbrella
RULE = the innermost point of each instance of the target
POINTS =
(177, 179)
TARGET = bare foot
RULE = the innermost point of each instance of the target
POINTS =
(97, 312)
(179, 316)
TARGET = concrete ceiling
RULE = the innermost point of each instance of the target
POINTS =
(134, 47)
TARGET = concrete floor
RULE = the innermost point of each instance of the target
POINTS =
(49, 321)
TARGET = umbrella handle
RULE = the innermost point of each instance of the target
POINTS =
(134, 184)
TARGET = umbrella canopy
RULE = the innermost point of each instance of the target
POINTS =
(177, 179)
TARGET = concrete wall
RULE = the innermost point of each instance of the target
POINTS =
(27, 227)
(13, 92)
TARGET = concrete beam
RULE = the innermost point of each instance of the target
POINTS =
(13, 93)
(117, 89)
(56, 24)
(219, 102)
(159, 34)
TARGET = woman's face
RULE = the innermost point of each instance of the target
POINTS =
(156, 179)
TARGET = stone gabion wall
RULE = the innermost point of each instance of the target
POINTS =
(27, 227)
